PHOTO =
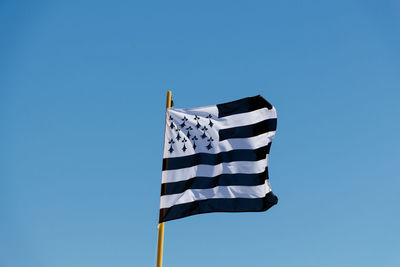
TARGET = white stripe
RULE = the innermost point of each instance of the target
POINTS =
(246, 143)
(216, 192)
(245, 167)
(247, 118)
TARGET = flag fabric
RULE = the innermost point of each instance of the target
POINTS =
(216, 159)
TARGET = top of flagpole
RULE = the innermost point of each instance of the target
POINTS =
(169, 99)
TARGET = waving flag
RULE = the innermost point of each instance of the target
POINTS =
(216, 159)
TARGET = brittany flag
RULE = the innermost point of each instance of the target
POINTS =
(215, 159)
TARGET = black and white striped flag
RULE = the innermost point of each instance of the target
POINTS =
(216, 159)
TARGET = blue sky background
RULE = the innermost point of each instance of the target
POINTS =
(82, 98)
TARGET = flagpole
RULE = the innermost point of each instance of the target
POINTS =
(160, 241)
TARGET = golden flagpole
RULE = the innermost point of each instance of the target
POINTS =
(160, 242)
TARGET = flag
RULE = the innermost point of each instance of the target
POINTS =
(215, 159)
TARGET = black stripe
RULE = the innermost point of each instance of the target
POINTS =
(211, 182)
(248, 130)
(242, 105)
(215, 159)
(218, 205)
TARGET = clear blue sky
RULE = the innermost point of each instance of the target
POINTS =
(82, 98)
